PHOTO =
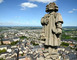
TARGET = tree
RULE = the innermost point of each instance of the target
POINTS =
(76, 49)
(1, 37)
(2, 59)
(64, 44)
(2, 51)
(23, 37)
(32, 42)
(13, 43)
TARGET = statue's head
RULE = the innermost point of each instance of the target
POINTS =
(51, 7)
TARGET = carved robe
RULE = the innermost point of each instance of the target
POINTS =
(57, 29)
(52, 28)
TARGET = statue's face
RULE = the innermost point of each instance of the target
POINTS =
(51, 7)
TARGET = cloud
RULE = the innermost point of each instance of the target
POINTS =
(70, 12)
(43, 1)
(73, 10)
(1, 1)
(27, 5)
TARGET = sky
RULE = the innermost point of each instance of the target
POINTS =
(30, 12)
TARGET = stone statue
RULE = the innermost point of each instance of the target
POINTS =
(52, 28)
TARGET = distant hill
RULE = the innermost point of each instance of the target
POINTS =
(69, 26)
(32, 27)
(20, 27)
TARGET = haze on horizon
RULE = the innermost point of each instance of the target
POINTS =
(30, 12)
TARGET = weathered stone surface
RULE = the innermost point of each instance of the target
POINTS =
(51, 31)
(52, 26)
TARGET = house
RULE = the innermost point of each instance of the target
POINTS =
(9, 50)
(3, 55)
(72, 45)
(69, 41)
(24, 58)
(16, 39)
(3, 47)
(7, 41)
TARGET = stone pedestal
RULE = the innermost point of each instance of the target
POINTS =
(51, 54)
